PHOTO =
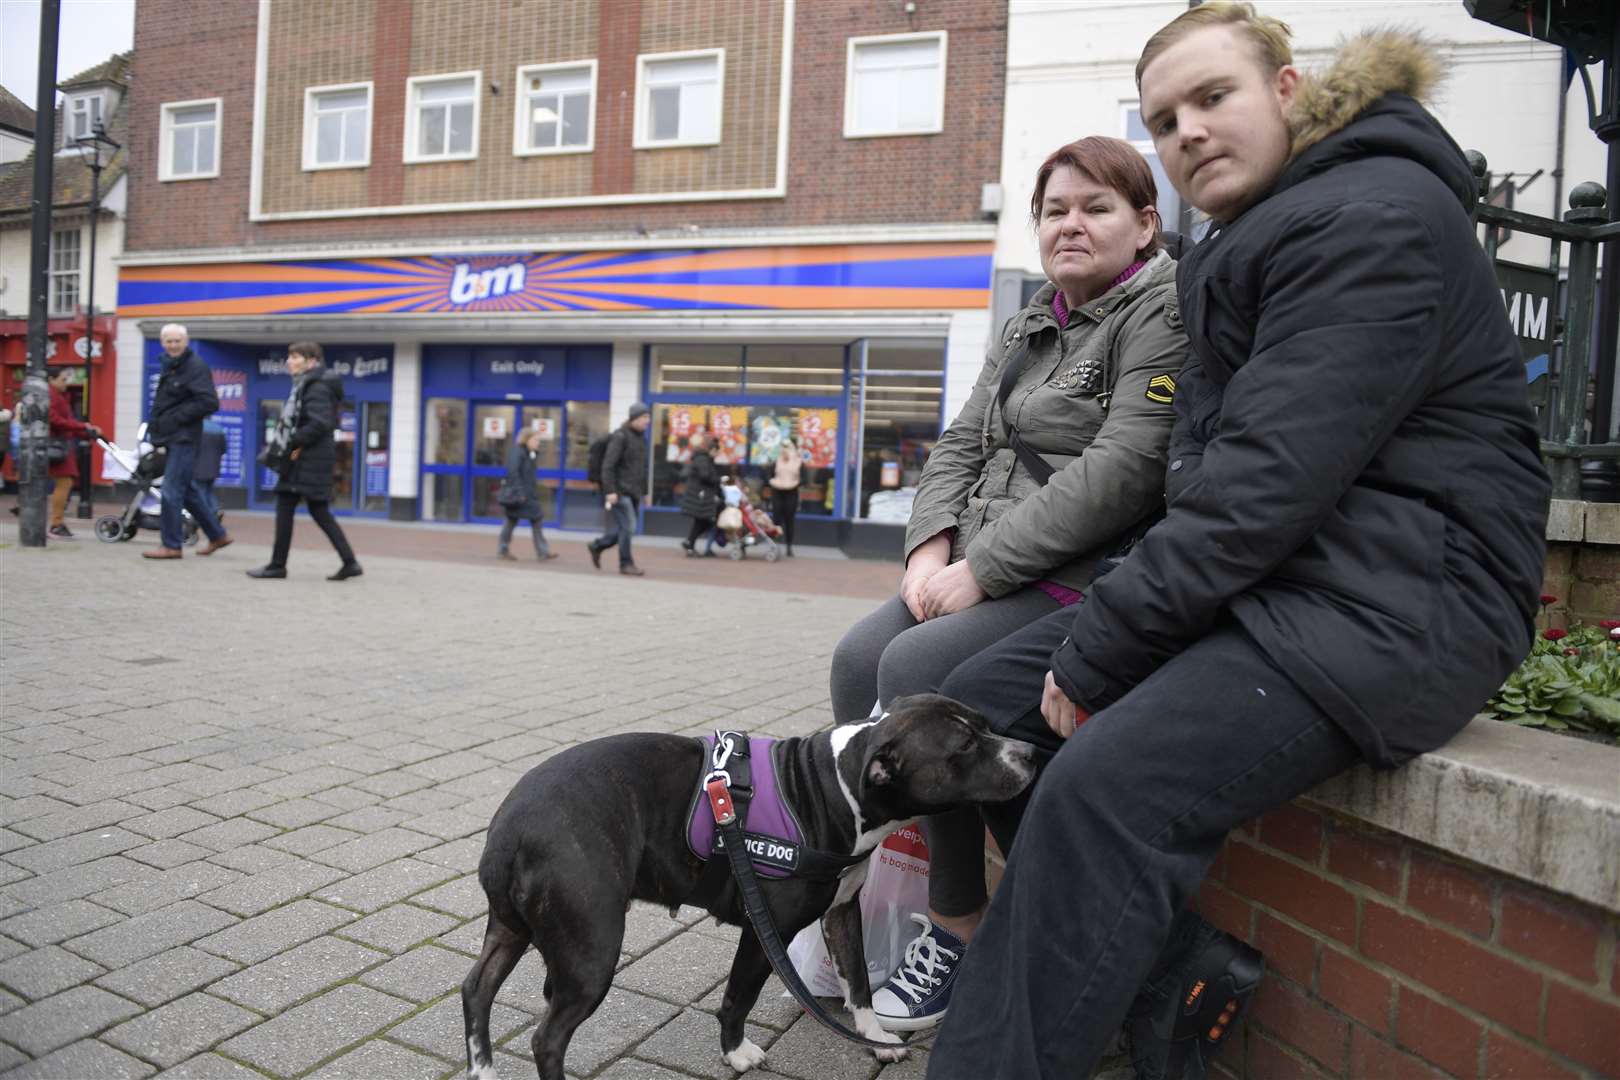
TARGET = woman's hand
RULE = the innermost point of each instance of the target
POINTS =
(1062, 715)
(294, 455)
(927, 559)
(951, 590)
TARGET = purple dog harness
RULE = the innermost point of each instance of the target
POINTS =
(774, 837)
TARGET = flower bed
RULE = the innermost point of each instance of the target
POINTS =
(1569, 682)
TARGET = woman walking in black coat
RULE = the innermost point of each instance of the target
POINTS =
(701, 499)
(520, 499)
(303, 454)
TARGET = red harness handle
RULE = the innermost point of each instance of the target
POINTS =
(720, 801)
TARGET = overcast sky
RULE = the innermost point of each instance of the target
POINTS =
(91, 31)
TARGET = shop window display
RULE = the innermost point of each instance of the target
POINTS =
(745, 441)
(898, 396)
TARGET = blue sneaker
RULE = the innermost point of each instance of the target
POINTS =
(917, 995)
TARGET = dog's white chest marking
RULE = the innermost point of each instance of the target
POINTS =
(840, 739)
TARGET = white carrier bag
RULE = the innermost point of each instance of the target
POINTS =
(896, 887)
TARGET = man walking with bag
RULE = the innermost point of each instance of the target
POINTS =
(624, 485)
(184, 396)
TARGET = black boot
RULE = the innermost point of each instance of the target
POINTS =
(346, 571)
(1192, 1001)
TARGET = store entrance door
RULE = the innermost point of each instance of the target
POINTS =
(496, 428)
(360, 471)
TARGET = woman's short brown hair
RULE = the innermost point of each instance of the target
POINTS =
(1269, 37)
(308, 350)
(1113, 163)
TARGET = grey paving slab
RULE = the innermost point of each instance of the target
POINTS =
(11, 841)
(235, 802)
(623, 1020)
(182, 882)
(309, 839)
(462, 855)
(271, 888)
(78, 881)
(167, 975)
(775, 1009)
(180, 1029)
(258, 938)
(383, 885)
(77, 820)
(84, 1060)
(379, 1059)
(290, 977)
(399, 927)
(231, 833)
(56, 1021)
(293, 813)
(369, 819)
(309, 781)
(316, 1030)
(635, 1069)
(167, 854)
(11, 1057)
(151, 933)
(808, 1051)
(57, 922)
(463, 897)
(212, 1067)
(43, 972)
(681, 970)
(166, 824)
(75, 850)
(252, 859)
(421, 975)
(468, 938)
(365, 852)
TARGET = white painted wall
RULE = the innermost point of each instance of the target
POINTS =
(15, 255)
(1071, 66)
(13, 147)
(129, 386)
(965, 344)
(624, 386)
(405, 420)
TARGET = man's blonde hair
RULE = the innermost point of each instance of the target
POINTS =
(1269, 36)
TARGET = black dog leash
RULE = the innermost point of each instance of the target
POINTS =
(718, 786)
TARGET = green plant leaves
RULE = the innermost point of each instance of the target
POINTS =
(1569, 684)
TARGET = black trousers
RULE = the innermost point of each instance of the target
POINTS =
(784, 508)
(1113, 839)
(321, 511)
(700, 527)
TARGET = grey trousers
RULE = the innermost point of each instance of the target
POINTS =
(888, 655)
(540, 546)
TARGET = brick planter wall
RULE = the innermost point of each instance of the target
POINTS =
(1586, 580)
(1386, 958)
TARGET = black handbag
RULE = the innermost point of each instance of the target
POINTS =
(56, 449)
(273, 458)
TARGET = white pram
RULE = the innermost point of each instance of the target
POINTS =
(144, 467)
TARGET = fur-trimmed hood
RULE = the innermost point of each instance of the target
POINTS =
(1368, 66)
(1369, 103)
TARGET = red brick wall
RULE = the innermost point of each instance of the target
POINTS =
(1387, 959)
(186, 51)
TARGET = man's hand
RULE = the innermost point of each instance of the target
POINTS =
(612, 499)
(927, 559)
(951, 590)
(1062, 715)
(294, 455)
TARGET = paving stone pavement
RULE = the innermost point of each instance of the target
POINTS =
(240, 820)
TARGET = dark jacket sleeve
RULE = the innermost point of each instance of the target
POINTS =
(317, 417)
(199, 400)
(1343, 350)
(612, 459)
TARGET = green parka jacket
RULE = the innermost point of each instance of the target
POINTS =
(1094, 401)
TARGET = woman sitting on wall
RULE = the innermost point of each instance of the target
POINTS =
(1057, 458)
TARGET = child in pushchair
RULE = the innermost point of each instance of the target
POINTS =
(744, 525)
(145, 506)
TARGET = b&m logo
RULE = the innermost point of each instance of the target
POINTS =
(469, 284)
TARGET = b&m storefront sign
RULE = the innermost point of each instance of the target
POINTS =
(834, 277)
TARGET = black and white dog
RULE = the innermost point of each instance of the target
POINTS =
(607, 822)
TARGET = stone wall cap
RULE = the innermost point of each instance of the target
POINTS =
(1539, 806)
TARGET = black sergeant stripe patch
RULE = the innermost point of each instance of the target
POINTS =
(1162, 388)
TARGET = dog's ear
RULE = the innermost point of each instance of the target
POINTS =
(881, 770)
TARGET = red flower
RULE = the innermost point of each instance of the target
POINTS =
(1555, 634)
(1548, 598)
(1609, 624)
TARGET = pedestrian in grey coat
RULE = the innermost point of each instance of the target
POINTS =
(521, 499)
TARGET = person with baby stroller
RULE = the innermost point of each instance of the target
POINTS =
(701, 498)
(303, 454)
(184, 396)
(64, 471)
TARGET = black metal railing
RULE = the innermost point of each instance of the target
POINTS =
(1584, 226)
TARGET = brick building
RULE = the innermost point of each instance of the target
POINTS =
(762, 216)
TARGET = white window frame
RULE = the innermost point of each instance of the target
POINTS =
(1149, 152)
(643, 113)
(854, 44)
(310, 128)
(520, 125)
(76, 274)
(69, 100)
(412, 157)
(166, 139)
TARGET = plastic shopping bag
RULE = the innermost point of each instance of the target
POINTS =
(896, 886)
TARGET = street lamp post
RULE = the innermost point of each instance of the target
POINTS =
(97, 149)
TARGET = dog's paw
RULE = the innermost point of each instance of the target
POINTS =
(746, 1056)
(866, 1024)
(898, 1054)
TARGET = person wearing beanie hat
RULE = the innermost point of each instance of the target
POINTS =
(624, 485)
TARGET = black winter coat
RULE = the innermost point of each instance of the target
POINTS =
(624, 464)
(701, 499)
(184, 395)
(519, 479)
(311, 475)
(1354, 471)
